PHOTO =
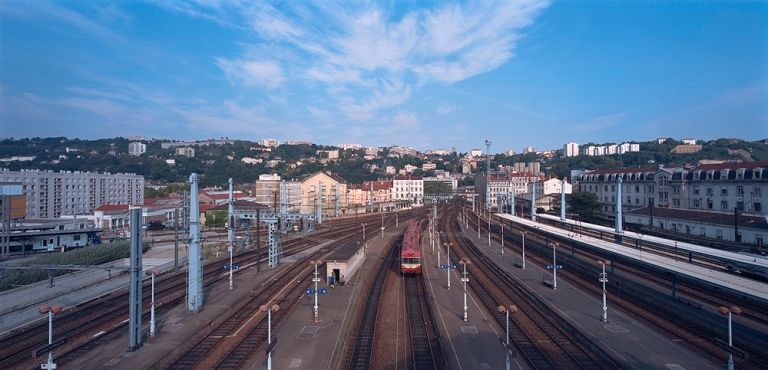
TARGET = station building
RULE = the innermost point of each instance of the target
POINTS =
(344, 262)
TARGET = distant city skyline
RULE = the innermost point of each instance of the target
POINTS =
(428, 75)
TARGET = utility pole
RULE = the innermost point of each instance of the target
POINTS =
(487, 173)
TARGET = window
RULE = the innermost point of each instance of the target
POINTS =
(702, 231)
(724, 205)
(710, 192)
(740, 206)
(637, 188)
(724, 191)
(757, 191)
(696, 203)
(76, 237)
(740, 190)
(676, 203)
(758, 207)
(719, 234)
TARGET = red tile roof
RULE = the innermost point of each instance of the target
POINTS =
(112, 207)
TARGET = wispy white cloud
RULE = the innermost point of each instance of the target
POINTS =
(446, 108)
(252, 72)
(367, 57)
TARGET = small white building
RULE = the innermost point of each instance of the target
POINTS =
(344, 262)
(551, 186)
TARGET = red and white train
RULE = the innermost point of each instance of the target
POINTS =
(410, 254)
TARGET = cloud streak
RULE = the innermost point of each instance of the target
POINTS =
(368, 58)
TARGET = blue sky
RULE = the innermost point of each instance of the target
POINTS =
(426, 74)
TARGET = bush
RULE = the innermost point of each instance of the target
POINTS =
(91, 255)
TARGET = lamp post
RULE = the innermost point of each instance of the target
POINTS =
(733, 310)
(365, 245)
(448, 247)
(507, 310)
(269, 310)
(230, 249)
(316, 279)
(382, 225)
(152, 307)
(478, 224)
(464, 262)
(50, 310)
(524, 232)
(604, 279)
(489, 229)
(502, 238)
(554, 265)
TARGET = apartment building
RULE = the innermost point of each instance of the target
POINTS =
(371, 194)
(709, 187)
(502, 184)
(409, 188)
(327, 188)
(137, 148)
(53, 194)
(267, 191)
(571, 149)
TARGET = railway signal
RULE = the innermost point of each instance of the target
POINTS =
(604, 279)
(50, 310)
(316, 280)
(465, 279)
(152, 308)
(730, 311)
(271, 346)
(509, 351)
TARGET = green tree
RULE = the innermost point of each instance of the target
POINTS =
(585, 204)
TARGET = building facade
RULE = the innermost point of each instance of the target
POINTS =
(53, 194)
(325, 191)
(500, 185)
(409, 188)
(137, 148)
(720, 188)
(571, 149)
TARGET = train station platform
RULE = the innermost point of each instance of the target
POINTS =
(473, 344)
(632, 343)
(304, 344)
(751, 260)
(721, 279)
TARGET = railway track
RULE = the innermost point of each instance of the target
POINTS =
(90, 325)
(651, 303)
(222, 339)
(545, 340)
(426, 351)
(360, 357)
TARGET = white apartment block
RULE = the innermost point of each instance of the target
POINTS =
(186, 152)
(571, 149)
(350, 146)
(269, 143)
(689, 141)
(428, 166)
(410, 188)
(475, 153)
(54, 194)
(137, 148)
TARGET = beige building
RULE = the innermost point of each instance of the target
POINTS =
(371, 194)
(326, 190)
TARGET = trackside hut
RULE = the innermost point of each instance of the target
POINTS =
(344, 262)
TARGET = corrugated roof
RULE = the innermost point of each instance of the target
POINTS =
(725, 219)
